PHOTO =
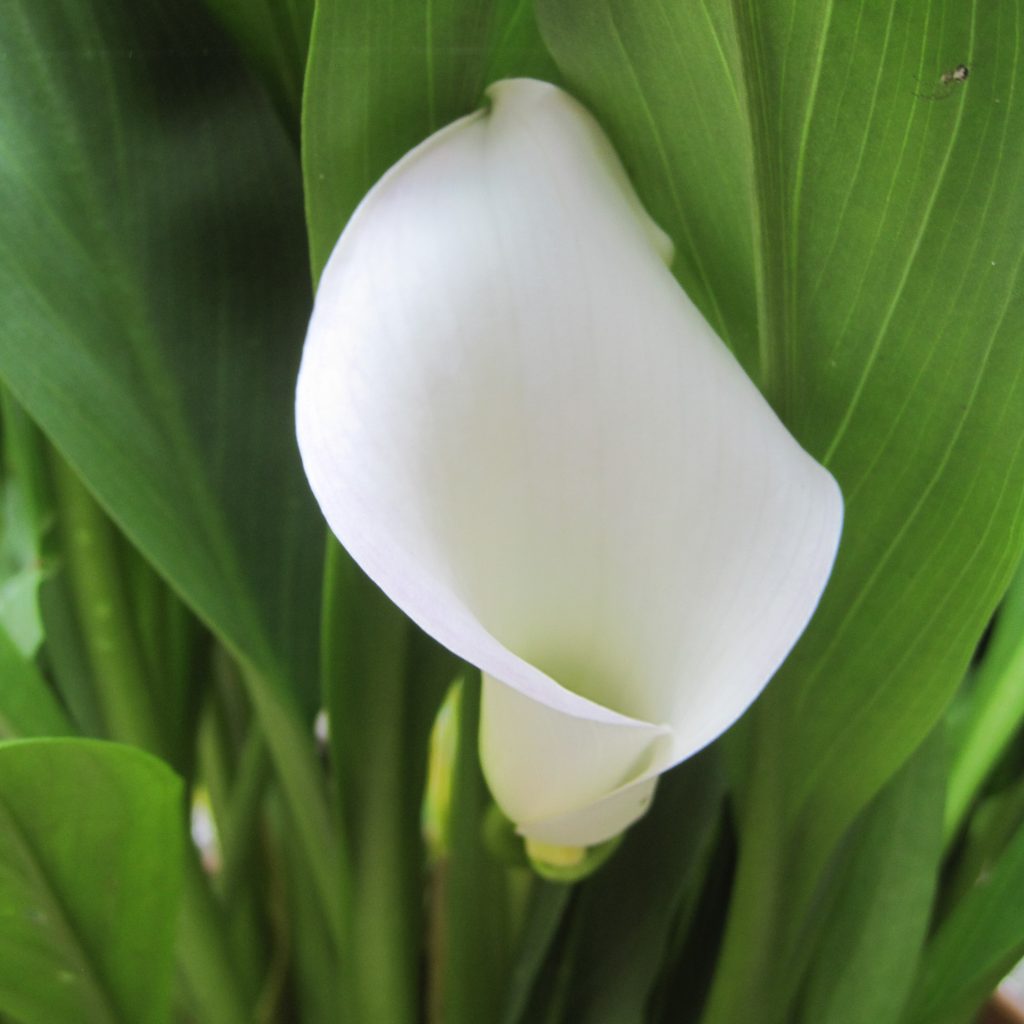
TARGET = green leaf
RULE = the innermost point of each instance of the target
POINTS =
(27, 704)
(137, 636)
(274, 36)
(544, 918)
(515, 47)
(867, 952)
(21, 569)
(155, 295)
(474, 912)
(64, 656)
(867, 199)
(975, 947)
(880, 279)
(154, 314)
(994, 821)
(665, 83)
(90, 867)
(382, 685)
(629, 908)
(382, 77)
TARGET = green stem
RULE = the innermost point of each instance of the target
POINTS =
(24, 457)
(236, 771)
(475, 970)
(300, 929)
(764, 949)
(293, 755)
(241, 814)
(236, 797)
(741, 975)
(92, 561)
(547, 909)
(382, 683)
(995, 710)
(364, 672)
(118, 667)
(989, 831)
(214, 769)
(203, 956)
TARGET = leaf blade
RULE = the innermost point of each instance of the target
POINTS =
(90, 865)
(867, 953)
(28, 707)
(143, 361)
(975, 947)
(887, 283)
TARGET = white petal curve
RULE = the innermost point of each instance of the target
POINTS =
(542, 766)
(527, 435)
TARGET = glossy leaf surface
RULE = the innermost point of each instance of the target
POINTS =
(362, 113)
(832, 197)
(90, 867)
(867, 952)
(154, 299)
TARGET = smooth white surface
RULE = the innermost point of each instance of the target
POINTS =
(524, 431)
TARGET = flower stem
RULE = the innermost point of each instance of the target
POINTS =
(91, 554)
(293, 755)
(241, 814)
(382, 683)
(97, 585)
(476, 920)
(364, 661)
(202, 953)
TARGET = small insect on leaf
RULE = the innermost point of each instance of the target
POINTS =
(947, 81)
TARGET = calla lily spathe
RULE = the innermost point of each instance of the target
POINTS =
(527, 435)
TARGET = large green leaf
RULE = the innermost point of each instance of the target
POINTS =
(383, 76)
(91, 849)
(154, 291)
(150, 242)
(634, 902)
(883, 211)
(867, 953)
(665, 82)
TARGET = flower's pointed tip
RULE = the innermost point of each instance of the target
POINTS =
(521, 89)
(532, 97)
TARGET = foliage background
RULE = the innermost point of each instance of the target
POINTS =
(851, 225)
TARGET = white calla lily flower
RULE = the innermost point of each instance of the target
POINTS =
(527, 435)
